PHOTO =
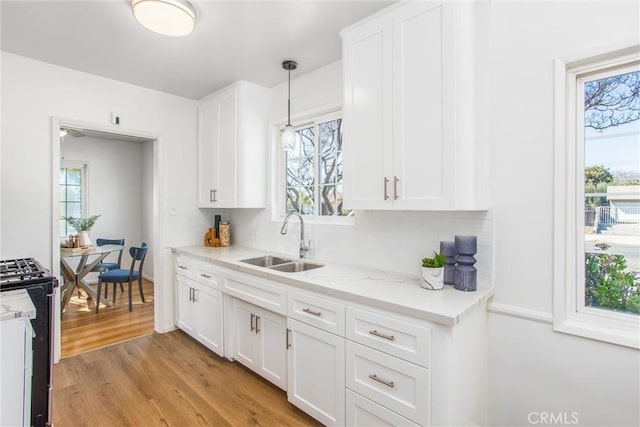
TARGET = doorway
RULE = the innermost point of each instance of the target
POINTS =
(120, 172)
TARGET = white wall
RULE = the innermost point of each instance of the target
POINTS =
(33, 92)
(117, 189)
(532, 368)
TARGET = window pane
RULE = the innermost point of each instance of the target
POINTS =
(330, 136)
(300, 199)
(307, 174)
(74, 176)
(307, 140)
(328, 166)
(339, 168)
(612, 193)
(74, 193)
(63, 227)
(293, 172)
(63, 175)
(63, 193)
(74, 210)
(328, 198)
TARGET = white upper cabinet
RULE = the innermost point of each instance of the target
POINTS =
(408, 110)
(232, 147)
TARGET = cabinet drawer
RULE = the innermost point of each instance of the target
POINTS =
(363, 412)
(396, 337)
(184, 266)
(316, 311)
(206, 274)
(393, 383)
(262, 293)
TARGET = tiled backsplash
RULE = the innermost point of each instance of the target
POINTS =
(393, 241)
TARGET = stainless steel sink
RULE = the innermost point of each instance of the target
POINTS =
(266, 261)
(296, 266)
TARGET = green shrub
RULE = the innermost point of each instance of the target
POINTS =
(609, 286)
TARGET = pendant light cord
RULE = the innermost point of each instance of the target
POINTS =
(289, 102)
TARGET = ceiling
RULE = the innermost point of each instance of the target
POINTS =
(233, 40)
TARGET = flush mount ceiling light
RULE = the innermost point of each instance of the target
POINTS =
(288, 138)
(168, 17)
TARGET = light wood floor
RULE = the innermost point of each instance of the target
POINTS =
(165, 380)
(83, 330)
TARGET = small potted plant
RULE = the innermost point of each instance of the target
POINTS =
(83, 226)
(432, 276)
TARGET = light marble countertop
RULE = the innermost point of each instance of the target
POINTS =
(16, 304)
(391, 291)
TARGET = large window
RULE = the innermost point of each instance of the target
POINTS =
(72, 195)
(597, 274)
(313, 170)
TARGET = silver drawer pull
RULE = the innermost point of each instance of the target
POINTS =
(380, 380)
(386, 337)
(182, 267)
(206, 276)
(315, 313)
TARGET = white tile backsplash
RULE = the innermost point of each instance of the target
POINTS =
(393, 241)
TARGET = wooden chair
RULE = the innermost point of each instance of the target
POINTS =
(121, 275)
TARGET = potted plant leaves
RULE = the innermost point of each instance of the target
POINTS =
(432, 272)
(83, 226)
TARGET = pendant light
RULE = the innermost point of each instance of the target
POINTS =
(167, 17)
(288, 137)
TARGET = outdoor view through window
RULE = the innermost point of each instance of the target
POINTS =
(612, 189)
(314, 170)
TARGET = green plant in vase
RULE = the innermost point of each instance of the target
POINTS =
(83, 226)
(432, 271)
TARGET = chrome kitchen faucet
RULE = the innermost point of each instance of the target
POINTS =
(303, 248)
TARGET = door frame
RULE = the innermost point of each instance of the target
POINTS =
(159, 289)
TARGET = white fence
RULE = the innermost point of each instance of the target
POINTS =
(610, 215)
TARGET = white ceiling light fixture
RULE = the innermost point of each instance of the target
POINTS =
(288, 137)
(167, 17)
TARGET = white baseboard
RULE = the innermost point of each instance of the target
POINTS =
(520, 312)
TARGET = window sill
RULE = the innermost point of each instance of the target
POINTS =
(624, 332)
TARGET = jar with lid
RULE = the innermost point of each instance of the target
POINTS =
(225, 233)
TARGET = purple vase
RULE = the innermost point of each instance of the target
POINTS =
(448, 249)
(465, 274)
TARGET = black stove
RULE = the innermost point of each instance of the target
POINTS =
(15, 273)
(30, 275)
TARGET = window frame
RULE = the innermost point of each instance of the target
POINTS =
(84, 167)
(303, 121)
(570, 315)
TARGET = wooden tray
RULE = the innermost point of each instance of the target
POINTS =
(64, 250)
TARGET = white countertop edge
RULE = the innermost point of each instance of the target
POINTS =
(229, 258)
(16, 304)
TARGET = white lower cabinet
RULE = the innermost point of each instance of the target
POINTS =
(364, 412)
(316, 374)
(260, 341)
(15, 372)
(341, 362)
(199, 312)
(394, 383)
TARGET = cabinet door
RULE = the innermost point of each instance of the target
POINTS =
(185, 318)
(423, 138)
(246, 339)
(224, 149)
(217, 142)
(209, 312)
(271, 329)
(316, 372)
(207, 116)
(367, 115)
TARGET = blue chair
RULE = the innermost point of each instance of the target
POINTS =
(106, 266)
(120, 275)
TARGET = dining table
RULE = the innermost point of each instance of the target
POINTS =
(74, 277)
